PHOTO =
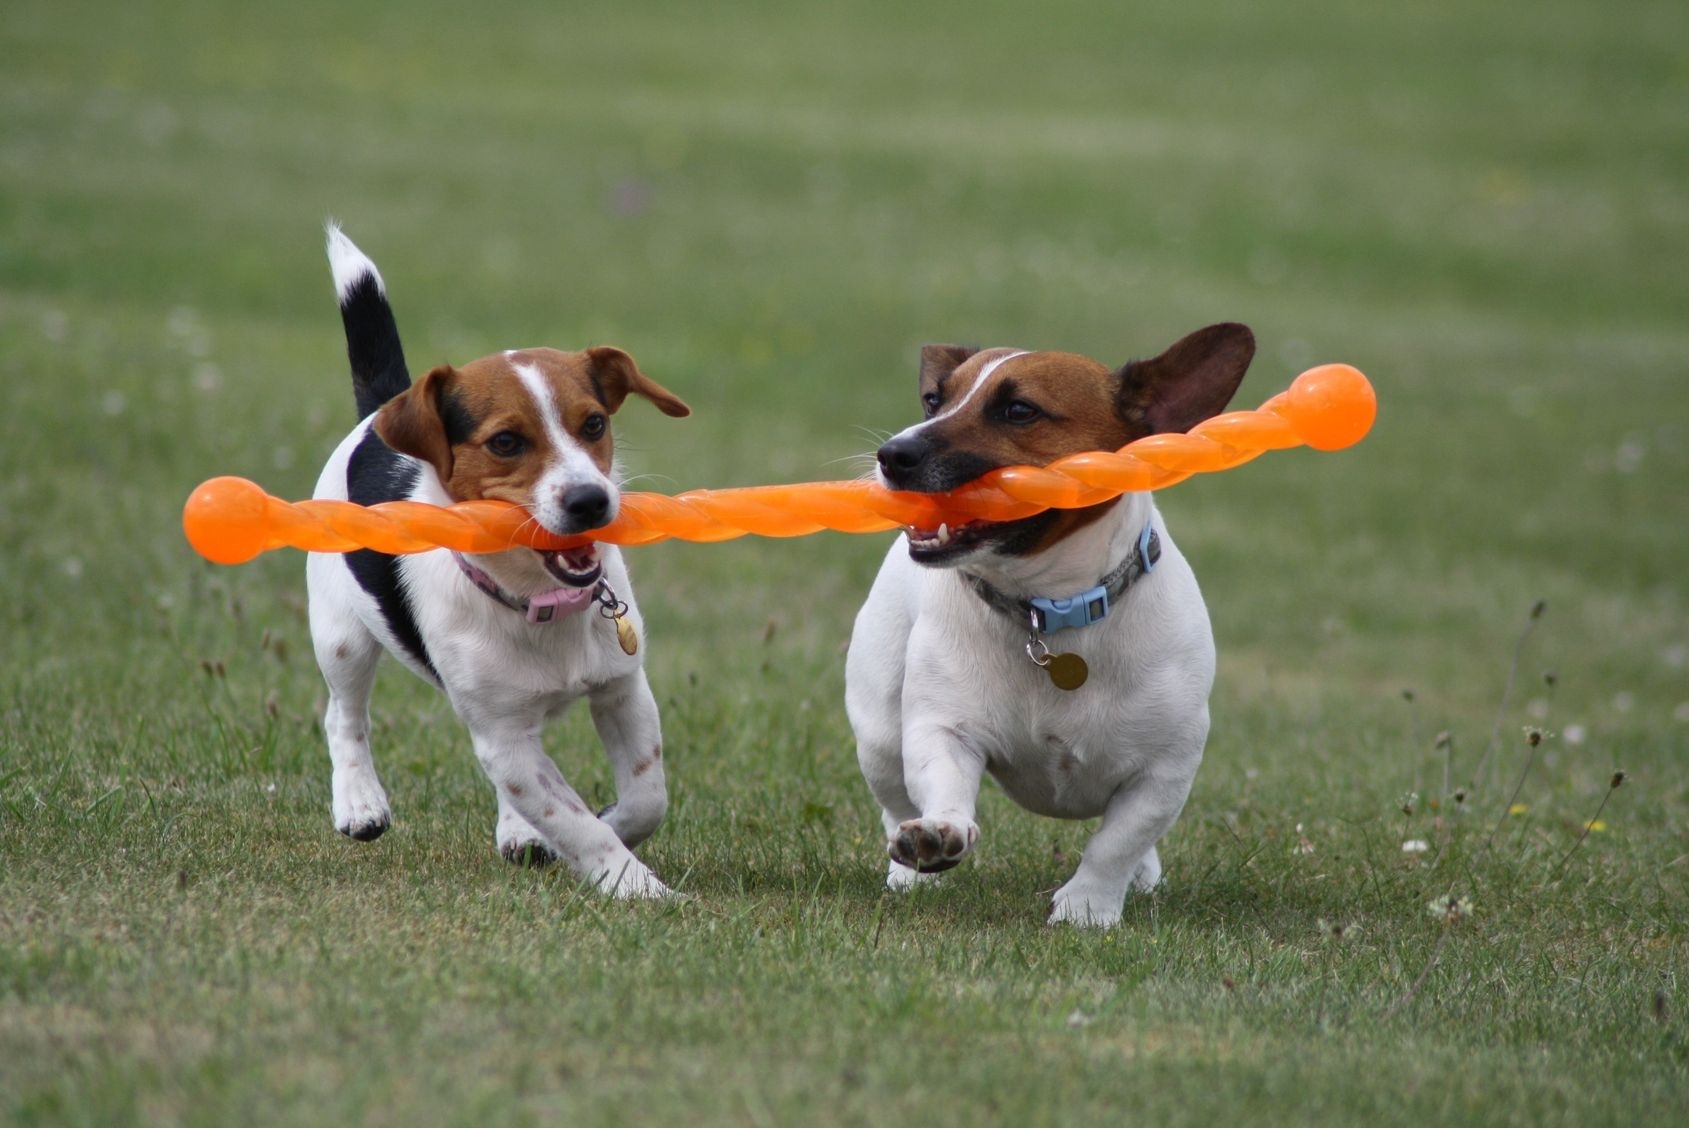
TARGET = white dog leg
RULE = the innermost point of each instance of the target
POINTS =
(348, 654)
(625, 715)
(523, 775)
(1121, 854)
(941, 776)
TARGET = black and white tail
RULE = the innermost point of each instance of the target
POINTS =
(372, 337)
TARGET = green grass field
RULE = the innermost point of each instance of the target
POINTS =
(1482, 206)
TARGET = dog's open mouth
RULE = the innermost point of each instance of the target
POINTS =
(930, 546)
(574, 567)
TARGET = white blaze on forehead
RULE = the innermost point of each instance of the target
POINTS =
(980, 381)
(571, 464)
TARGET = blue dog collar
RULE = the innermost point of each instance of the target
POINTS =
(1075, 611)
(1091, 606)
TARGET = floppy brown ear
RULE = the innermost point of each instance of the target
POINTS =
(617, 376)
(1188, 383)
(939, 361)
(411, 422)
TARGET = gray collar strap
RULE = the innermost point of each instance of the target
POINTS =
(1047, 615)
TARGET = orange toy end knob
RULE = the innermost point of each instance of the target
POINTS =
(1331, 406)
(224, 520)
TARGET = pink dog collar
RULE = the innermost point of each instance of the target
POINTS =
(546, 607)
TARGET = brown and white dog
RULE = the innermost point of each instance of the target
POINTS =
(954, 668)
(512, 637)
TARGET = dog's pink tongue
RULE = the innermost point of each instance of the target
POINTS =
(544, 607)
(581, 559)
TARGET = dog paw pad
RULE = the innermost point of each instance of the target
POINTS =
(528, 854)
(931, 845)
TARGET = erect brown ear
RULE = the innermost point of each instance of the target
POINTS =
(939, 361)
(616, 374)
(411, 422)
(1188, 383)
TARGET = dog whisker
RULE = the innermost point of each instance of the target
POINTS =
(862, 464)
(660, 480)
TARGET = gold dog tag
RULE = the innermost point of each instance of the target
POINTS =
(629, 638)
(1067, 671)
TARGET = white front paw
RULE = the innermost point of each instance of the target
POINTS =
(900, 878)
(360, 805)
(1087, 905)
(633, 881)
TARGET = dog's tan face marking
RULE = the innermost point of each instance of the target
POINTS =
(1002, 407)
(1031, 408)
(530, 427)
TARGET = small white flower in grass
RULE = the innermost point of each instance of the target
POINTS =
(1303, 844)
(1627, 459)
(1449, 909)
(55, 326)
(1574, 734)
(1078, 1018)
(1415, 846)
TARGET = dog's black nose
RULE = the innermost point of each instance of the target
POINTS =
(586, 507)
(901, 455)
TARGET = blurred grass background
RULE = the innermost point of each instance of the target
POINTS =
(772, 206)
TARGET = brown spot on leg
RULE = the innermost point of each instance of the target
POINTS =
(548, 812)
(642, 767)
(515, 789)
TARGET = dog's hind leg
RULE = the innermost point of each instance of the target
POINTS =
(347, 653)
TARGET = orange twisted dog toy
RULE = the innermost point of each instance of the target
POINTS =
(231, 520)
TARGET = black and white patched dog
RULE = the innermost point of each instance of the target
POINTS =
(512, 637)
(1068, 654)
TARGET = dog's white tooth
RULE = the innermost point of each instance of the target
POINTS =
(943, 534)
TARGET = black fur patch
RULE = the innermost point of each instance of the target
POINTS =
(376, 473)
(372, 346)
(458, 422)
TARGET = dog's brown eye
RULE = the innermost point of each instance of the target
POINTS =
(594, 426)
(1020, 411)
(506, 444)
(929, 403)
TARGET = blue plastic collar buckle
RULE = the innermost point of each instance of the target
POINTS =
(1075, 611)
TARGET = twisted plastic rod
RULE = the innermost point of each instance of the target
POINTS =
(231, 520)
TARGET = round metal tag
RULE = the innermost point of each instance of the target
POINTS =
(1067, 671)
